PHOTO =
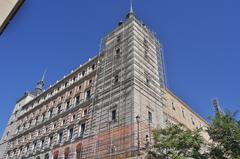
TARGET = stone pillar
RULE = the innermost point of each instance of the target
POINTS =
(65, 135)
(61, 155)
(55, 139)
(55, 109)
(72, 155)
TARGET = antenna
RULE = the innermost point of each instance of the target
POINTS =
(44, 74)
(131, 6)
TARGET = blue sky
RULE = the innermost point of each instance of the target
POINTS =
(200, 38)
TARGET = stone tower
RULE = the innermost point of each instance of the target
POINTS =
(106, 108)
(128, 98)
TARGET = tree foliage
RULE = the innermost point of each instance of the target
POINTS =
(225, 134)
(176, 143)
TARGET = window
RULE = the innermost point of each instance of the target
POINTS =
(73, 118)
(70, 134)
(42, 143)
(60, 136)
(93, 66)
(147, 80)
(173, 107)
(59, 109)
(43, 116)
(193, 121)
(50, 113)
(54, 126)
(183, 114)
(68, 105)
(118, 51)
(77, 99)
(66, 84)
(27, 148)
(114, 115)
(150, 117)
(90, 81)
(18, 129)
(116, 79)
(119, 38)
(74, 78)
(20, 151)
(85, 112)
(82, 129)
(88, 94)
(83, 73)
(50, 140)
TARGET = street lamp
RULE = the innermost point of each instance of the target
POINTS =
(138, 121)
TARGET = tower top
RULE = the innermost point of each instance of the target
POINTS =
(39, 87)
(131, 12)
(131, 6)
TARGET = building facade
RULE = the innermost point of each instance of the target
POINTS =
(177, 112)
(106, 108)
(8, 8)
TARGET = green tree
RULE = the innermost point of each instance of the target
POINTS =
(225, 134)
(175, 142)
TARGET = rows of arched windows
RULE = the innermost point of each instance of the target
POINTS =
(61, 86)
(48, 113)
(58, 138)
(70, 119)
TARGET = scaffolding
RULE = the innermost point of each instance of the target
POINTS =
(112, 131)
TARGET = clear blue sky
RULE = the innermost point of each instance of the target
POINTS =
(201, 42)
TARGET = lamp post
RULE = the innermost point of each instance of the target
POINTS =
(138, 136)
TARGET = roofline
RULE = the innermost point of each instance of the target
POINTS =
(24, 96)
(61, 80)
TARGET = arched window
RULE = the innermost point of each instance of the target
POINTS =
(46, 156)
(38, 157)
(66, 152)
(78, 150)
